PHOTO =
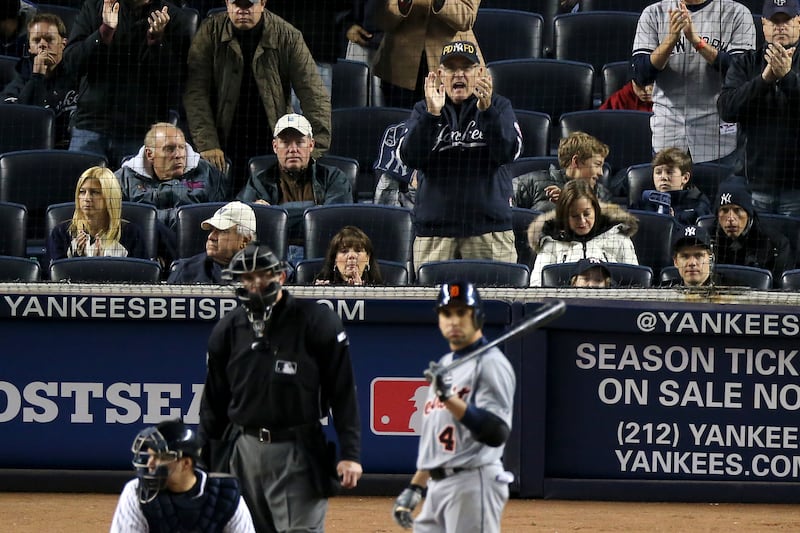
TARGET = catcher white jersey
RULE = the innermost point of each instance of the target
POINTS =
(487, 382)
(685, 92)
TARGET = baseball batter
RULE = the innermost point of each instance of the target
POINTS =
(466, 422)
(686, 46)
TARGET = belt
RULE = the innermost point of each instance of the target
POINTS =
(440, 473)
(278, 435)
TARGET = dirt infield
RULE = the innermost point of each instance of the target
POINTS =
(89, 513)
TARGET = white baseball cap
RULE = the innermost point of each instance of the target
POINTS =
(231, 214)
(295, 122)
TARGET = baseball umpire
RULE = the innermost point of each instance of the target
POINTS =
(276, 366)
(171, 493)
(466, 422)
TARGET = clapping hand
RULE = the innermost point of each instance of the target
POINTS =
(483, 89)
(158, 22)
(111, 13)
(434, 94)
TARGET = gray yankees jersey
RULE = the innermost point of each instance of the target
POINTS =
(685, 92)
(487, 382)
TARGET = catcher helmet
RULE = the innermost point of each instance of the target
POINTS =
(255, 257)
(156, 447)
(465, 293)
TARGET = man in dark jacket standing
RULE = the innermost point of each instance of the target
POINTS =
(458, 138)
(762, 94)
(130, 55)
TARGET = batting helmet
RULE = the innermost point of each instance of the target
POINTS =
(157, 446)
(255, 257)
(465, 293)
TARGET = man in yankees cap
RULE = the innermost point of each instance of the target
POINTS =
(691, 255)
(466, 422)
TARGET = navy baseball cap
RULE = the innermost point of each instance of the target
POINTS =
(773, 7)
(460, 48)
(690, 236)
(589, 263)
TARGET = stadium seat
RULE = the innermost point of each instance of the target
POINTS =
(627, 134)
(143, 215)
(613, 76)
(357, 133)
(19, 269)
(390, 229)
(708, 176)
(579, 37)
(192, 17)
(105, 270)
(526, 27)
(728, 275)
(483, 273)
(639, 179)
(348, 165)
(568, 88)
(40, 178)
(350, 84)
(653, 240)
(67, 14)
(546, 8)
(394, 274)
(26, 127)
(13, 220)
(530, 164)
(623, 275)
(536, 132)
(790, 280)
(634, 6)
(271, 222)
(8, 66)
(522, 218)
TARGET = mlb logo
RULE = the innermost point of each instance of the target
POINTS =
(397, 405)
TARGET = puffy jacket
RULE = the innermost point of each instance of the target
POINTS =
(200, 183)
(755, 247)
(529, 188)
(281, 63)
(609, 240)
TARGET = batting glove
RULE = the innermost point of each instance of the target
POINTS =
(405, 504)
(441, 379)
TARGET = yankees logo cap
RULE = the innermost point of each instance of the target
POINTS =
(732, 192)
(690, 236)
(773, 7)
(464, 49)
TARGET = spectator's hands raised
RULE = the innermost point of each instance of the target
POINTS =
(111, 13)
(43, 62)
(483, 89)
(779, 62)
(434, 94)
(158, 23)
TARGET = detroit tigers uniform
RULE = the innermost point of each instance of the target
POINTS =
(685, 92)
(468, 488)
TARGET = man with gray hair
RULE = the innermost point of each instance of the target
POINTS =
(231, 228)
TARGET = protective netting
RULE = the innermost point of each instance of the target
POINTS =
(560, 65)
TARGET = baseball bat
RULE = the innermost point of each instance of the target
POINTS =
(544, 315)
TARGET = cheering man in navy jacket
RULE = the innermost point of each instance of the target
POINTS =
(458, 138)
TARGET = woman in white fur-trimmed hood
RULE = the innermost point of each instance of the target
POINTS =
(581, 227)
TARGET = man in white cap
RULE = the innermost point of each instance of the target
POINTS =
(296, 182)
(232, 227)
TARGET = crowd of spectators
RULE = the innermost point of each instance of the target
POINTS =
(249, 81)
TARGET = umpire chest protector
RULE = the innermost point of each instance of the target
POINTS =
(208, 509)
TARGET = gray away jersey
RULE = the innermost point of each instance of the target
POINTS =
(685, 92)
(487, 382)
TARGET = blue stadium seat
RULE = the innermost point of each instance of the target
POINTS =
(483, 273)
(105, 270)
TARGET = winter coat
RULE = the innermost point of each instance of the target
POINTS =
(609, 240)
(755, 247)
(687, 204)
(529, 188)
(281, 63)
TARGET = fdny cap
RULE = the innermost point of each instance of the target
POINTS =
(231, 214)
(460, 48)
(773, 7)
(295, 122)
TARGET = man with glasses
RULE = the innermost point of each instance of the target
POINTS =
(296, 181)
(760, 93)
(458, 138)
(243, 66)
